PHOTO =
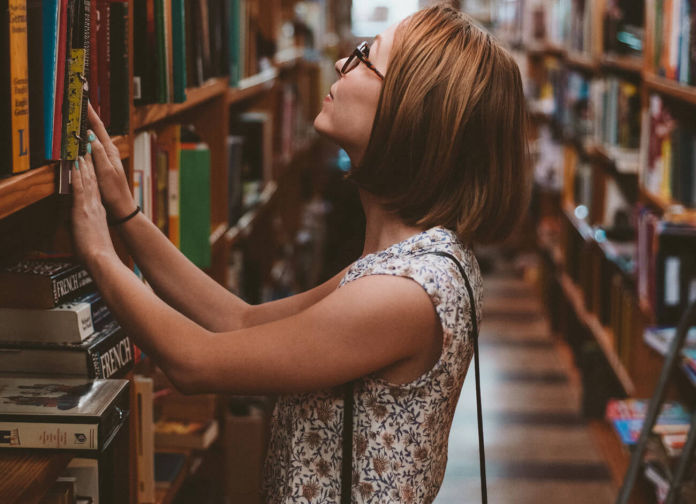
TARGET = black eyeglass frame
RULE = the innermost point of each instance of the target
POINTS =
(361, 52)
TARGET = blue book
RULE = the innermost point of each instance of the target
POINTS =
(50, 57)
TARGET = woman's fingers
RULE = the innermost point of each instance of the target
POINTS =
(96, 123)
(101, 133)
(77, 185)
(101, 160)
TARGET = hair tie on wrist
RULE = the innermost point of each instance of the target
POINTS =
(125, 219)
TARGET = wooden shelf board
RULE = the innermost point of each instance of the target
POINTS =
(251, 86)
(288, 58)
(20, 191)
(670, 87)
(147, 115)
(582, 62)
(629, 64)
(27, 475)
(663, 205)
(603, 336)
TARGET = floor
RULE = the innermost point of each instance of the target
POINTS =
(538, 449)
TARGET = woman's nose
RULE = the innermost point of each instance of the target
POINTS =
(339, 65)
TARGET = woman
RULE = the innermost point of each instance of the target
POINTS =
(432, 117)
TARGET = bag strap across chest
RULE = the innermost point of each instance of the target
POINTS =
(347, 462)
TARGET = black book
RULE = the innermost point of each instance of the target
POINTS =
(36, 83)
(41, 283)
(61, 413)
(118, 61)
(675, 272)
(106, 354)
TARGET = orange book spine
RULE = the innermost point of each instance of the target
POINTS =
(19, 85)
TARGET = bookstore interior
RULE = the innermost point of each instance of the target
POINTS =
(210, 105)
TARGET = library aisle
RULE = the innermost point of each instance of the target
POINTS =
(538, 448)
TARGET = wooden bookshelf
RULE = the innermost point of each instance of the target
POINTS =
(674, 89)
(27, 475)
(147, 115)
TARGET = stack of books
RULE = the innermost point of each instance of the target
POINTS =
(53, 321)
(627, 417)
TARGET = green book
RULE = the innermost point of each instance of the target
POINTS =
(179, 50)
(235, 42)
(194, 202)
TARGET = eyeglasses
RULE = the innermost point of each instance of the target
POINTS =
(361, 53)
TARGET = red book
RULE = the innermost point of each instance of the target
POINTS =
(60, 80)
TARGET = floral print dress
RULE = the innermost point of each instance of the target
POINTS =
(400, 430)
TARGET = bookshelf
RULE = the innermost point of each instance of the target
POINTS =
(591, 274)
(209, 107)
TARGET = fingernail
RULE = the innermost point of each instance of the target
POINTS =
(77, 164)
(91, 137)
(89, 148)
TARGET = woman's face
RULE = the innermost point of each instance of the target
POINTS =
(349, 109)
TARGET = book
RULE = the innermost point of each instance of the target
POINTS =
(106, 354)
(194, 203)
(60, 79)
(235, 147)
(50, 21)
(660, 338)
(195, 435)
(178, 51)
(36, 82)
(71, 322)
(61, 413)
(84, 472)
(144, 438)
(39, 283)
(119, 82)
(14, 87)
(627, 418)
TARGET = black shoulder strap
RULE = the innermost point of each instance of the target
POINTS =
(347, 462)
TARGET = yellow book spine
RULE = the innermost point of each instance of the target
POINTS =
(75, 89)
(19, 85)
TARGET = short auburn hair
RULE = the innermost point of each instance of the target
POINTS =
(449, 141)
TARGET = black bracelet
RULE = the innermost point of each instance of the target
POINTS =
(124, 219)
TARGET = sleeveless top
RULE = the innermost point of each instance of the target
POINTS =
(400, 430)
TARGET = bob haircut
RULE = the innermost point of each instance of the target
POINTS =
(449, 142)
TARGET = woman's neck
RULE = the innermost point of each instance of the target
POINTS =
(382, 228)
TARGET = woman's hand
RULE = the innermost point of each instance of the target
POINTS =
(90, 230)
(111, 177)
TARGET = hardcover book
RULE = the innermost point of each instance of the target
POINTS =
(185, 434)
(14, 87)
(106, 354)
(71, 322)
(61, 413)
(40, 283)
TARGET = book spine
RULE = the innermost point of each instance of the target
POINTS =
(63, 287)
(60, 79)
(145, 438)
(19, 85)
(36, 82)
(104, 67)
(179, 51)
(173, 186)
(78, 59)
(49, 435)
(120, 91)
(50, 18)
(112, 357)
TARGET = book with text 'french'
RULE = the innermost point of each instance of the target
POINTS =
(41, 283)
(106, 354)
(61, 413)
(14, 87)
